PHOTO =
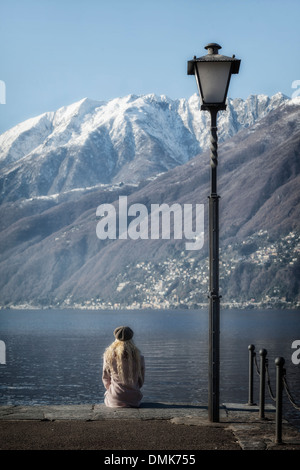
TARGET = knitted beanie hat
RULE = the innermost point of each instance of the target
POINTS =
(123, 333)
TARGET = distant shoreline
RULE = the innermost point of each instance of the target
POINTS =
(225, 306)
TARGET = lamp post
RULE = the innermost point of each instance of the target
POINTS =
(213, 72)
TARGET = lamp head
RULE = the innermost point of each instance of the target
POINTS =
(213, 72)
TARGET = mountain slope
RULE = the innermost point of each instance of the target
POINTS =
(50, 254)
(124, 140)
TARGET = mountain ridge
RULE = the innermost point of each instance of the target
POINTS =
(124, 140)
(50, 254)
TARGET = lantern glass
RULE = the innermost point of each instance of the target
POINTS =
(213, 80)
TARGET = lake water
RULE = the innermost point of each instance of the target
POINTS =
(55, 357)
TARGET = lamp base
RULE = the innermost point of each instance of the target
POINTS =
(216, 107)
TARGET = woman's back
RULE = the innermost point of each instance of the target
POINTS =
(123, 371)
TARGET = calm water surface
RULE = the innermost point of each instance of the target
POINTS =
(55, 357)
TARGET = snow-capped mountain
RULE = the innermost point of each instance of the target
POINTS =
(50, 254)
(124, 140)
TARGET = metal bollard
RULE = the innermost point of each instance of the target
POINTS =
(252, 353)
(262, 384)
(279, 361)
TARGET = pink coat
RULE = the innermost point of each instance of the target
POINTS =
(118, 394)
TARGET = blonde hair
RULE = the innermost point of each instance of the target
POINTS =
(124, 353)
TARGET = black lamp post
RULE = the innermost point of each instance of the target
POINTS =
(213, 72)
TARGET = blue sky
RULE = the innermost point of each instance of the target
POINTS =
(55, 52)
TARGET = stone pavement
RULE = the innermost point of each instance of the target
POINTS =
(153, 426)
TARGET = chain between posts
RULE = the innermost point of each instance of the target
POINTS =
(257, 368)
(297, 407)
(284, 380)
(269, 381)
(281, 384)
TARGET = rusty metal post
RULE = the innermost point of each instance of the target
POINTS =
(262, 384)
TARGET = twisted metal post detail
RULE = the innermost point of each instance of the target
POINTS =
(213, 147)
